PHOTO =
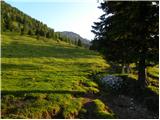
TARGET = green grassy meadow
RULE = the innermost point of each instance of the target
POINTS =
(45, 78)
(48, 74)
(49, 78)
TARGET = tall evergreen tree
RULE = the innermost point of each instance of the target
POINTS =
(79, 43)
(128, 32)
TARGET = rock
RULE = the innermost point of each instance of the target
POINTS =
(112, 81)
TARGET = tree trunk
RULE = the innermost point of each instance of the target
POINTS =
(123, 69)
(128, 68)
(142, 76)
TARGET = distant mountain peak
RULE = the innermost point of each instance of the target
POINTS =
(74, 37)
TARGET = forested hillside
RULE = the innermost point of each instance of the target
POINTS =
(16, 21)
(47, 75)
(76, 38)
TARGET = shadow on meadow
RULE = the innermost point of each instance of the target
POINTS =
(16, 50)
(146, 101)
(145, 96)
(23, 92)
(11, 66)
(7, 66)
(37, 104)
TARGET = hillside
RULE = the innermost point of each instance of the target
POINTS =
(47, 75)
(49, 79)
(14, 20)
(41, 76)
(75, 37)
(17, 21)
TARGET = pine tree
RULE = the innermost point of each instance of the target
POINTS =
(22, 31)
(79, 43)
(30, 32)
(127, 33)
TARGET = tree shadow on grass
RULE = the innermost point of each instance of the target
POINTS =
(144, 96)
(22, 92)
(26, 100)
(14, 50)
(10, 66)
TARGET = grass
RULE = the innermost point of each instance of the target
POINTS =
(47, 78)
(96, 109)
(144, 96)
(153, 71)
(152, 75)
(40, 78)
(101, 111)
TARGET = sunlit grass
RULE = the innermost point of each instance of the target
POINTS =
(45, 74)
(49, 79)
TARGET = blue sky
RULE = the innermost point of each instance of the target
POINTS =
(63, 15)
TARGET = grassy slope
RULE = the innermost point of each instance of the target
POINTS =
(40, 78)
(49, 79)
(152, 76)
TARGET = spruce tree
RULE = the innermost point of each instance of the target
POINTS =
(79, 43)
(127, 33)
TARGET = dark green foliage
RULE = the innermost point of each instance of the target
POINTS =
(22, 31)
(79, 43)
(17, 21)
(30, 32)
(75, 42)
(60, 37)
(147, 96)
(127, 33)
(74, 38)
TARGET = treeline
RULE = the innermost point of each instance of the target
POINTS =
(69, 40)
(14, 20)
(128, 32)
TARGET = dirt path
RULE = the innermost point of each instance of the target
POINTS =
(123, 106)
(126, 107)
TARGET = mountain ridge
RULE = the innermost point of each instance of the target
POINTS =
(75, 37)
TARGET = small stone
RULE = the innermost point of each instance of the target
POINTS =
(131, 108)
